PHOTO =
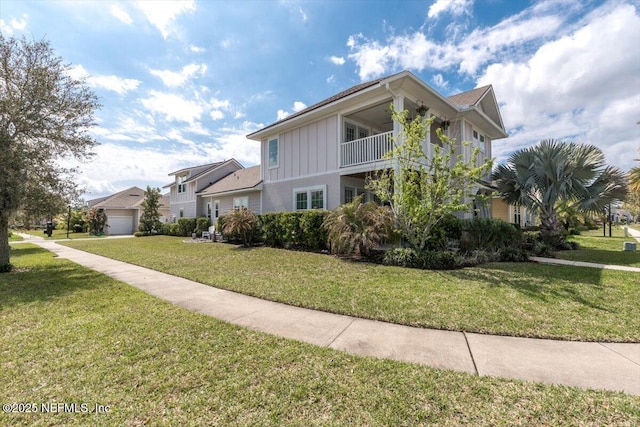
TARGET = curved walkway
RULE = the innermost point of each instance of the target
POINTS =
(583, 364)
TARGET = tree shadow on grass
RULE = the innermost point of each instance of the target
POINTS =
(38, 276)
(542, 282)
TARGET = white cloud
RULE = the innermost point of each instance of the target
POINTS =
(179, 78)
(162, 13)
(116, 84)
(196, 49)
(120, 14)
(217, 115)
(13, 25)
(298, 106)
(454, 7)
(440, 81)
(338, 60)
(579, 87)
(303, 15)
(281, 114)
(331, 78)
(173, 107)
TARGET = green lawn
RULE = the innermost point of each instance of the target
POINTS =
(523, 299)
(15, 238)
(58, 234)
(71, 335)
(594, 247)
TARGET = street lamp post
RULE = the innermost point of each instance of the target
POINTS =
(68, 221)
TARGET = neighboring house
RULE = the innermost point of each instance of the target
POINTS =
(164, 209)
(240, 189)
(189, 181)
(514, 214)
(121, 210)
(320, 157)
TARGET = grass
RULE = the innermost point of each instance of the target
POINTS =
(71, 335)
(59, 234)
(530, 300)
(594, 247)
(15, 238)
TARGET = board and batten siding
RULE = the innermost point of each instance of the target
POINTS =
(226, 202)
(278, 196)
(307, 150)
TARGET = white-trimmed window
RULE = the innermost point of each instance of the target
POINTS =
(182, 187)
(181, 213)
(350, 193)
(273, 152)
(209, 210)
(240, 203)
(352, 132)
(216, 209)
(479, 141)
(310, 198)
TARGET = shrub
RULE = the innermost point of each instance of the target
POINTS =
(139, 234)
(6, 268)
(186, 226)
(357, 228)
(77, 228)
(290, 226)
(202, 224)
(272, 229)
(313, 235)
(426, 260)
(242, 223)
(488, 234)
(174, 230)
(513, 255)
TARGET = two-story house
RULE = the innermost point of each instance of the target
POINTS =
(189, 181)
(319, 158)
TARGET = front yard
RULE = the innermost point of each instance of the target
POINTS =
(71, 335)
(523, 299)
(594, 247)
(57, 234)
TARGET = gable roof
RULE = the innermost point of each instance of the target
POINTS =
(205, 169)
(336, 97)
(164, 201)
(125, 199)
(469, 98)
(242, 179)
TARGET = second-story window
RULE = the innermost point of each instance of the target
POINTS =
(273, 153)
(182, 187)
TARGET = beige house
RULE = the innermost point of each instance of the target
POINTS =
(239, 189)
(123, 210)
(319, 158)
(514, 214)
(184, 202)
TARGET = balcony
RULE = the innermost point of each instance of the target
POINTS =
(365, 150)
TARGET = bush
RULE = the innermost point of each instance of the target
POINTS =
(165, 229)
(139, 234)
(6, 268)
(513, 255)
(186, 226)
(313, 235)
(488, 234)
(77, 228)
(357, 228)
(272, 229)
(294, 229)
(574, 231)
(202, 224)
(242, 223)
(174, 230)
(426, 260)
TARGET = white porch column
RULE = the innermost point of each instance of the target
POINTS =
(398, 104)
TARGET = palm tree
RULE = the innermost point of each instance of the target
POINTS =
(542, 176)
(634, 178)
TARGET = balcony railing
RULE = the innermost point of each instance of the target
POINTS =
(365, 150)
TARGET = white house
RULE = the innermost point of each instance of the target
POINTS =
(318, 158)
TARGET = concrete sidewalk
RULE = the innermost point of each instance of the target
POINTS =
(582, 364)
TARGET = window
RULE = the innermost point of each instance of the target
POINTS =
(182, 187)
(350, 193)
(240, 203)
(482, 146)
(517, 217)
(352, 132)
(301, 201)
(216, 209)
(273, 153)
(309, 198)
(181, 213)
(209, 210)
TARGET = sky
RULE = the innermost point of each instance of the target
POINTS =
(182, 83)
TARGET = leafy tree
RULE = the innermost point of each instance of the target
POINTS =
(555, 173)
(150, 218)
(423, 189)
(357, 228)
(44, 115)
(97, 219)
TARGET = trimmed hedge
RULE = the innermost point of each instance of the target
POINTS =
(488, 234)
(186, 226)
(295, 229)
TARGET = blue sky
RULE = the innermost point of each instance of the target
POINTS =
(183, 83)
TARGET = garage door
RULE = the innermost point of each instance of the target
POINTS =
(120, 225)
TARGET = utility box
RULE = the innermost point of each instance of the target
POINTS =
(630, 246)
